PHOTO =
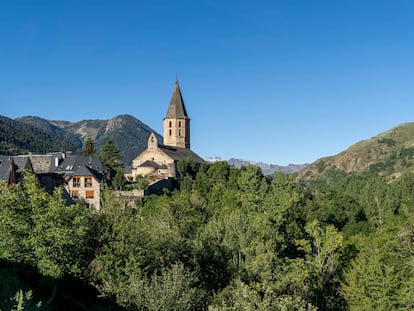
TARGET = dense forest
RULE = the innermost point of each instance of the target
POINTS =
(21, 138)
(225, 239)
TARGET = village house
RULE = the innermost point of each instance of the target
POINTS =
(12, 168)
(80, 176)
(83, 177)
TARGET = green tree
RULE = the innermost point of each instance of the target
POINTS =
(111, 156)
(39, 230)
(88, 148)
(20, 301)
(172, 289)
(142, 182)
(381, 277)
(119, 181)
(239, 296)
(371, 283)
(323, 250)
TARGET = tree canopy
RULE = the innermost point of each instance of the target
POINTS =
(225, 239)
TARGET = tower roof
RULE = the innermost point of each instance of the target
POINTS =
(176, 110)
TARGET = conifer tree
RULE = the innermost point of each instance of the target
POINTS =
(88, 148)
(111, 157)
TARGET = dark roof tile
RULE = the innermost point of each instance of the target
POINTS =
(176, 110)
(177, 153)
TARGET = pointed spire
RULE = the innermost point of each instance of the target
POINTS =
(176, 110)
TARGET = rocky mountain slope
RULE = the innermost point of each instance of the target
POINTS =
(267, 169)
(129, 134)
(387, 154)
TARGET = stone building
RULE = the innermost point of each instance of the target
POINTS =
(83, 177)
(85, 185)
(158, 161)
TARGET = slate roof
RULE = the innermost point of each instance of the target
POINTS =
(5, 167)
(176, 110)
(153, 164)
(177, 153)
(12, 167)
(86, 171)
(45, 163)
(40, 163)
(22, 163)
(149, 163)
(74, 162)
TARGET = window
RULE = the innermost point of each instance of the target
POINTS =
(170, 123)
(179, 133)
(88, 182)
(170, 132)
(76, 182)
(179, 123)
(75, 194)
(89, 194)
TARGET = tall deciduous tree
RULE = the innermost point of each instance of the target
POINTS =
(38, 229)
(323, 250)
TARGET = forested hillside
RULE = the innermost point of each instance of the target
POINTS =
(227, 239)
(20, 138)
(388, 154)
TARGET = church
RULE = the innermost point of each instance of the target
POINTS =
(158, 161)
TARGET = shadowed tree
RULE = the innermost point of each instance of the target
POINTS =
(88, 148)
(111, 156)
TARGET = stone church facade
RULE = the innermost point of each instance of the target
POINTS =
(158, 161)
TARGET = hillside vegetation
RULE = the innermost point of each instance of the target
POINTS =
(388, 154)
(226, 239)
(129, 134)
(20, 138)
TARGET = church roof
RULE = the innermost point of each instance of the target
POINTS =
(153, 164)
(177, 153)
(176, 110)
(149, 163)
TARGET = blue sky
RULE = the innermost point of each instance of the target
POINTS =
(275, 81)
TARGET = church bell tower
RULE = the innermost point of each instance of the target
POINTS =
(177, 122)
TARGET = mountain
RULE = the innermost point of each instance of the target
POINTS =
(129, 134)
(387, 154)
(267, 169)
(50, 127)
(21, 138)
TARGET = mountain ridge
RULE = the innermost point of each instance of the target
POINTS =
(267, 169)
(129, 133)
(21, 138)
(387, 154)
